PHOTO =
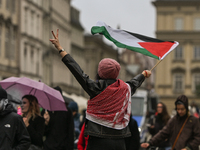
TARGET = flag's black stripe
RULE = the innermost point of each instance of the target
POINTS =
(146, 38)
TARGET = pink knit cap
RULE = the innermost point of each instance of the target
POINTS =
(108, 68)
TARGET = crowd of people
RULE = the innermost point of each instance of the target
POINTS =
(34, 129)
(107, 123)
(182, 131)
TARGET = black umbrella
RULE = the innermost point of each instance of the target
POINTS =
(13, 99)
(67, 100)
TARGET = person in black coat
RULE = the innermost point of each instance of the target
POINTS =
(59, 129)
(133, 142)
(157, 122)
(33, 120)
(13, 133)
(109, 107)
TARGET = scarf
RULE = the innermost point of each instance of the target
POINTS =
(112, 107)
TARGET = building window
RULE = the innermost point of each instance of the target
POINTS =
(7, 42)
(13, 6)
(10, 42)
(32, 22)
(197, 52)
(178, 24)
(32, 54)
(178, 82)
(25, 56)
(178, 53)
(197, 24)
(26, 19)
(37, 26)
(196, 81)
(38, 61)
(45, 28)
(13, 44)
(8, 4)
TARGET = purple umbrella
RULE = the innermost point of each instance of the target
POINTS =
(48, 97)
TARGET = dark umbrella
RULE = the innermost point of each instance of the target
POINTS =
(13, 99)
(67, 100)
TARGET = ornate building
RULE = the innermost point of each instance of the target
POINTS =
(32, 41)
(25, 49)
(179, 72)
(9, 41)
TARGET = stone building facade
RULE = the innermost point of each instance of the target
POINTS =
(25, 49)
(179, 72)
(9, 41)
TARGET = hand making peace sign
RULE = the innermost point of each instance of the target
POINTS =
(56, 40)
(56, 43)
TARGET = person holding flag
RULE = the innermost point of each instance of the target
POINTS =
(109, 108)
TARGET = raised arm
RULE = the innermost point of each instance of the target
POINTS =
(83, 79)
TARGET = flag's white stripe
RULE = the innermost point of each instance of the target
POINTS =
(171, 49)
(121, 36)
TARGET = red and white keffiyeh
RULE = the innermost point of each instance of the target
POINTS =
(112, 107)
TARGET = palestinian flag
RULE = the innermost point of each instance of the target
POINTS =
(152, 47)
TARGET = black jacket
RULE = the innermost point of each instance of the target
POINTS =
(60, 131)
(133, 142)
(13, 133)
(157, 122)
(36, 130)
(94, 88)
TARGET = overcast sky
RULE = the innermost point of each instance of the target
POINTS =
(137, 16)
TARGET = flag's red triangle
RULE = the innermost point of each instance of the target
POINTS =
(158, 49)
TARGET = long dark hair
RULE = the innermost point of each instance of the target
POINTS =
(165, 115)
(33, 107)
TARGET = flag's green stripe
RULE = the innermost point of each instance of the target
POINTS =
(143, 51)
(103, 30)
